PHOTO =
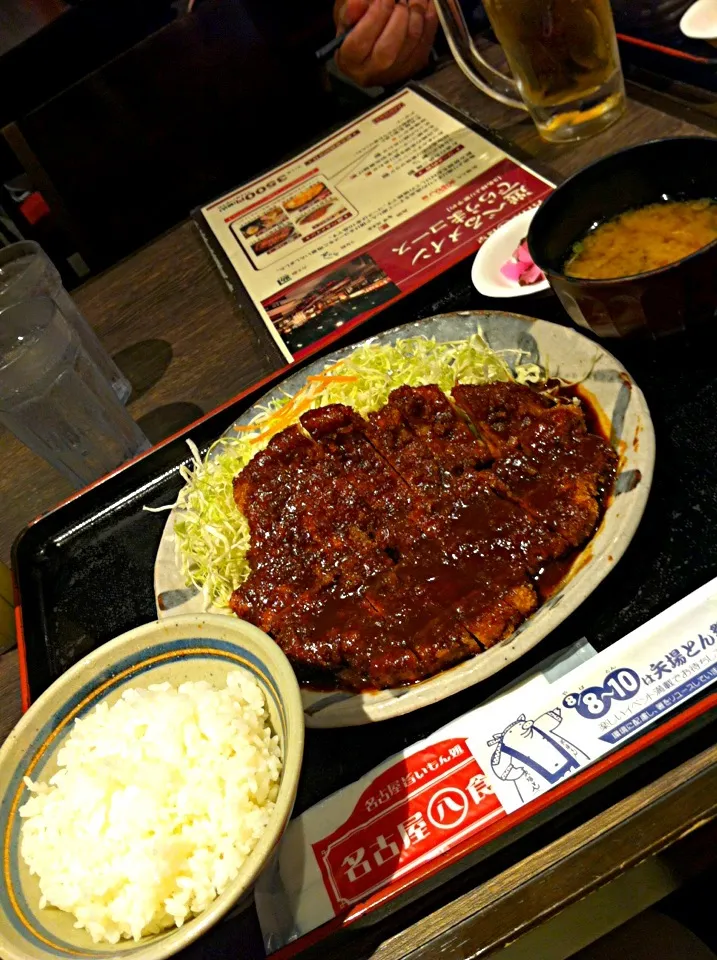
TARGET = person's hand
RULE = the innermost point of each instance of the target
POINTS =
(390, 41)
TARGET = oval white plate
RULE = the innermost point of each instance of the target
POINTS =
(497, 250)
(565, 353)
(699, 22)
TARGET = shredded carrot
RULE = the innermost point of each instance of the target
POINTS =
(290, 412)
(282, 422)
(284, 411)
(284, 415)
(302, 408)
(326, 381)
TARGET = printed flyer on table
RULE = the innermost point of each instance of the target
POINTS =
(369, 214)
(473, 772)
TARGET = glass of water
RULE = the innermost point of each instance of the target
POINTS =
(56, 400)
(27, 272)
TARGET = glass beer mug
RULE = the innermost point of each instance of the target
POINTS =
(563, 56)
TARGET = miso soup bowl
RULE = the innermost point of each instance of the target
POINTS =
(652, 304)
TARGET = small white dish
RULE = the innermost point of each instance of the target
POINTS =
(496, 251)
(699, 22)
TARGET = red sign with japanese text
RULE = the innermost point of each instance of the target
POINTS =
(452, 228)
(414, 811)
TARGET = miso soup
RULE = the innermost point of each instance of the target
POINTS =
(644, 239)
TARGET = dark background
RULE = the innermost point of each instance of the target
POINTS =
(123, 115)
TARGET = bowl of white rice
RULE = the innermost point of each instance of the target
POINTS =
(144, 792)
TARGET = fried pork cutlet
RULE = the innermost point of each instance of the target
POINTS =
(312, 536)
(481, 561)
(349, 638)
(384, 551)
(549, 464)
(279, 550)
(368, 644)
(321, 620)
(500, 411)
(397, 516)
(455, 621)
(271, 592)
(420, 597)
(363, 646)
(265, 485)
(438, 429)
(390, 434)
(559, 474)
(337, 514)
(345, 638)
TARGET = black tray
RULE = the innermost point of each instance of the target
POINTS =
(84, 574)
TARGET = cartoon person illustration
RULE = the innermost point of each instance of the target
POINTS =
(531, 754)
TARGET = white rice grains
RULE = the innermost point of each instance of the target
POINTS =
(158, 801)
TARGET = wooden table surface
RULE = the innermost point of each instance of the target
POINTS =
(165, 315)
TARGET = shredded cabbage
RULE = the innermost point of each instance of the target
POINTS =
(212, 535)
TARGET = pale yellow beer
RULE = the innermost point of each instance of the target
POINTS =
(564, 57)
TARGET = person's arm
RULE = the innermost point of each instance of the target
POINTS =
(389, 41)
